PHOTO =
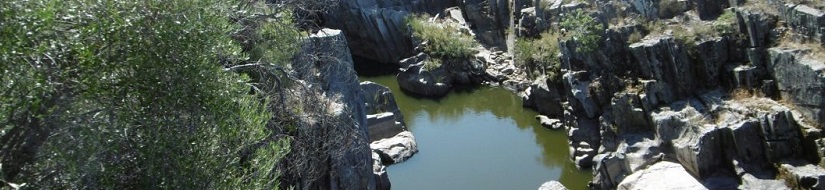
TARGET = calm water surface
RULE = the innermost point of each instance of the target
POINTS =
(479, 138)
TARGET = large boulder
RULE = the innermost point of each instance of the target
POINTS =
(700, 150)
(696, 143)
(375, 28)
(383, 125)
(806, 20)
(396, 149)
(552, 185)
(801, 175)
(421, 81)
(385, 119)
(800, 80)
(662, 175)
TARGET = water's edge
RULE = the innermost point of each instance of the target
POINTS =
(479, 138)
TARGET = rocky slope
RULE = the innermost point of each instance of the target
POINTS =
(722, 94)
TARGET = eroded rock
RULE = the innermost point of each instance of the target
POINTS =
(662, 175)
(396, 149)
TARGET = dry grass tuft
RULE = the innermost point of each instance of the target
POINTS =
(741, 94)
(816, 51)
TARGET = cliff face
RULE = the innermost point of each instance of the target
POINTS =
(375, 29)
(324, 67)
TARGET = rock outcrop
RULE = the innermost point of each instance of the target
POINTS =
(806, 21)
(666, 61)
(418, 80)
(375, 28)
(335, 75)
(390, 140)
(801, 80)
(384, 119)
(802, 175)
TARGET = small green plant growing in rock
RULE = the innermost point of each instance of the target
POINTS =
(442, 41)
(725, 23)
(634, 37)
(432, 64)
(540, 55)
(584, 29)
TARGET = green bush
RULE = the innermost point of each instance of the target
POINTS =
(725, 23)
(634, 37)
(585, 30)
(103, 94)
(539, 55)
(432, 64)
(442, 41)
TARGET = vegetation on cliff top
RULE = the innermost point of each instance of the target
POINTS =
(441, 40)
(539, 56)
(584, 29)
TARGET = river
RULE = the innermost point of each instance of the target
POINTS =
(479, 138)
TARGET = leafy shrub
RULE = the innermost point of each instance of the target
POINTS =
(634, 37)
(129, 94)
(585, 30)
(540, 55)
(442, 41)
(725, 23)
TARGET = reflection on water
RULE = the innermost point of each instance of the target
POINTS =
(479, 138)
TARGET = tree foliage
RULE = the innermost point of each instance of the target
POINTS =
(584, 29)
(540, 55)
(122, 94)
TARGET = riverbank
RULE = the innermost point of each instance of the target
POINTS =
(479, 138)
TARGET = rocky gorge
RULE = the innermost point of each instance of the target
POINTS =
(701, 94)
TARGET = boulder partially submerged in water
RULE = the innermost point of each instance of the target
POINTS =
(390, 140)
(424, 81)
(396, 149)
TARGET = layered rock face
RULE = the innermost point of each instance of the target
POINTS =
(375, 29)
(334, 75)
(390, 141)
(801, 80)
(688, 106)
